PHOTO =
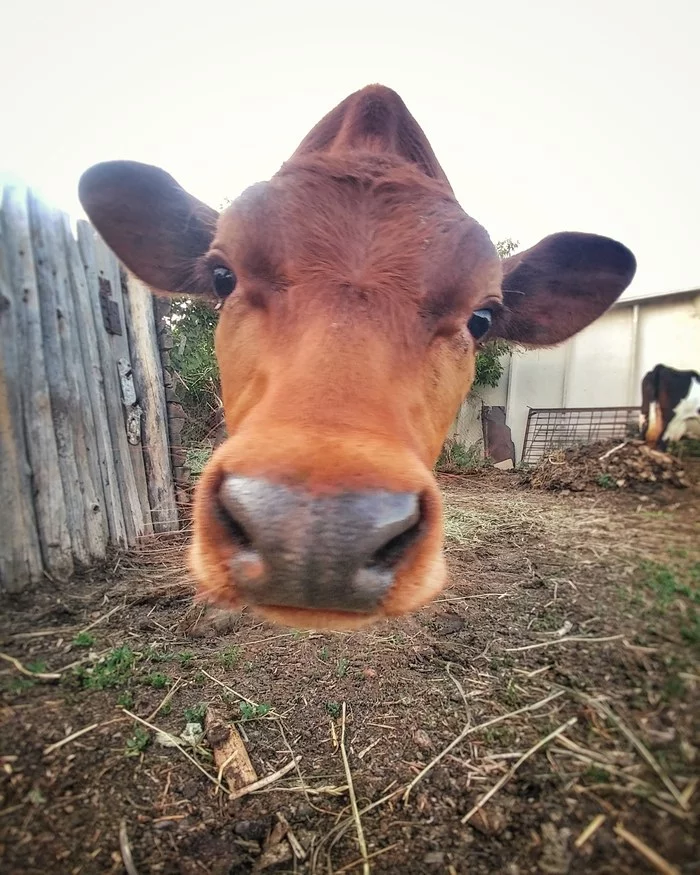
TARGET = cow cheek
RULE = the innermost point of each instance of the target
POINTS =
(448, 379)
(243, 380)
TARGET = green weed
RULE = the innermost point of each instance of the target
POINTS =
(664, 582)
(113, 670)
(157, 680)
(229, 656)
(597, 775)
(342, 667)
(334, 709)
(138, 742)
(252, 712)
(126, 700)
(84, 639)
(36, 667)
(196, 713)
(606, 481)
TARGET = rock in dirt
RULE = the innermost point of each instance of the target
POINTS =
(422, 740)
(556, 856)
(607, 465)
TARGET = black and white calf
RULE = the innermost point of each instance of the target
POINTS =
(670, 406)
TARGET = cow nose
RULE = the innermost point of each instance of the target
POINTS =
(334, 552)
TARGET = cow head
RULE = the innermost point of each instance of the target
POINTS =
(355, 293)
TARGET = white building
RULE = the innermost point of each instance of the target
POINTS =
(602, 366)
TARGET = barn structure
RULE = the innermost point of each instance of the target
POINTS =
(591, 385)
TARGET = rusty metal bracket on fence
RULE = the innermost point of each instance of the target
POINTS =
(110, 308)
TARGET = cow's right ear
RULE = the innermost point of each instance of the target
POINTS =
(158, 230)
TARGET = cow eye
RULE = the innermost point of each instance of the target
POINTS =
(479, 323)
(224, 281)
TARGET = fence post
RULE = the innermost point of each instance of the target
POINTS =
(86, 336)
(150, 393)
(20, 552)
(76, 445)
(47, 486)
(131, 504)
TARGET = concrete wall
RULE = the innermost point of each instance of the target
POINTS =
(602, 366)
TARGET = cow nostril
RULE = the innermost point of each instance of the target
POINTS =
(388, 556)
(234, 529)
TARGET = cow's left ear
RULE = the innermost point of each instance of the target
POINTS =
(560, 286)
(158, 230)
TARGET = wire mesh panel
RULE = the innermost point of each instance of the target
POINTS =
(556, 428)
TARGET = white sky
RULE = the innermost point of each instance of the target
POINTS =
(546, 116)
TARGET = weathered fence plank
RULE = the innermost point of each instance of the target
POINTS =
(62, 404)
(148, 380)
(94, 380)
(75, 438)
(109, 268)
(42, 452)
(131, 506)
(20, 552)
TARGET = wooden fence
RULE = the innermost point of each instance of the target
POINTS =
(84, 444)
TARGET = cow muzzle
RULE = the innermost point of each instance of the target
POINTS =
(294, 549)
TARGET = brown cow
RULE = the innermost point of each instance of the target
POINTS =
(355, 294)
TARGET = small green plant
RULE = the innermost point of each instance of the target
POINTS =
(197, 458)
(126, 699)
(138, 742)
(674, 688)
(690, 631)
(597, 775)
(664, 581)
(196, 713)
(342, 667)
(84, 639)
(511, 695)
(185, 657)
(153, 654)
(489, 364)
(250, 711)
(20, 685)
(113, 670)
(333, 709)
(323, 654)
(606, 481)
(157, 680)
(230, 656)
(455, 458)
(36, 667)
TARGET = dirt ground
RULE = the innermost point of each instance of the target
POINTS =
(571, 625)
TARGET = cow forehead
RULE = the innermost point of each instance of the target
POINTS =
(367, 221)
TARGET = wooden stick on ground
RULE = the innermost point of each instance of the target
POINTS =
(38, 675)
(650, 856)
(125, 849)
(590, 830)
(264, 782)
(504, 780)
(230, 754)
(353, 799)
